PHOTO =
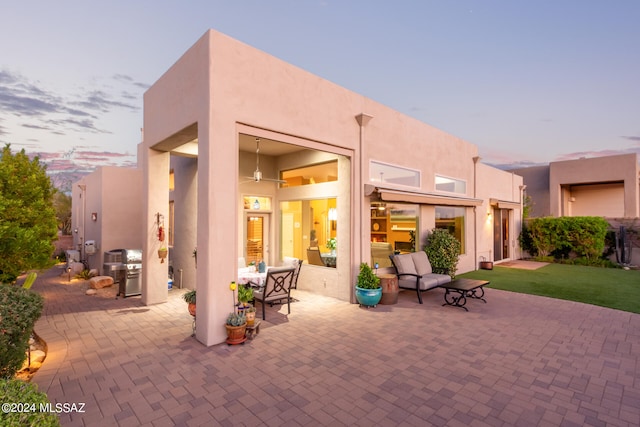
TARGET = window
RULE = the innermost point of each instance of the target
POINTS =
(256, 203)
(309, 231)
(384, 173)
(309, 175)
(452, 219)
(451, 185)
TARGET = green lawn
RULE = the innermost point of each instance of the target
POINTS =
(606, 287)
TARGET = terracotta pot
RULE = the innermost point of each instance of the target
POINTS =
(192, 309)
(486, 265)
(251, 317)
(236, 334)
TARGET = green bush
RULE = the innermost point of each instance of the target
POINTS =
(443, 250)
(31, 403)
(568, 237)
(19, 310)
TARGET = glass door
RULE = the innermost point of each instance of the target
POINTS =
(257, 241)
(501, 234)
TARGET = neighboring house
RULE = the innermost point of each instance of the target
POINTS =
(267, 160)
(600, 186)
(107, 210)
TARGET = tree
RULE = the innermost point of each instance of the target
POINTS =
(62, 204)
(28, 225)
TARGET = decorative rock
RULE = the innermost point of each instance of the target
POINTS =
(38, 356)
(100, 282)
(91, 292)
(93, 272)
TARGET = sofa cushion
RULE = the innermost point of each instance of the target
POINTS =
(421, 261)
(428, 281)
(404, 264)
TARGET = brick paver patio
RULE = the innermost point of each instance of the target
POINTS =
(517, 360)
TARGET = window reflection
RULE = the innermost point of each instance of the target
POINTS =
(393, 230)
(309, 231)
(452, 219)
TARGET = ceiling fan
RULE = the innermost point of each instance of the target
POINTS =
(257, 174)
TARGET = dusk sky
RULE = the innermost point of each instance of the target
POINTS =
(528, 82)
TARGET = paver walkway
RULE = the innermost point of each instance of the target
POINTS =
(517, 360)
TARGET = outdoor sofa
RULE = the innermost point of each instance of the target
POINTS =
(414, 271)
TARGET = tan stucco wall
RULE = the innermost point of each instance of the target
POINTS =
(229, 88)
(115, 195)
(611, 169)
(499, 185)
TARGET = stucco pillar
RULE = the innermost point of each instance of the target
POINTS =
(217, 228)
(156, 201)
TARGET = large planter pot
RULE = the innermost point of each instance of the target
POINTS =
(236, 334)
(368, 297)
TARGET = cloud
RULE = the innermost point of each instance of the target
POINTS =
(101, 101)
(42, 110)
(123, 78)
(65, 168)
(632, 138)
(20, 97)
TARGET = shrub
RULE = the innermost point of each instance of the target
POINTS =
(366, 278)
(568, 237)
(19, 310)
(84, 275)
(443, 250)
(26, 394)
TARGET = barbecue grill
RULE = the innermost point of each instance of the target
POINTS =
(125, 266)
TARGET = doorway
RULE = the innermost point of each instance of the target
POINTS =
(501, 231)
(257, 240)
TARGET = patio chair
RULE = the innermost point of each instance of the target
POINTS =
(297, 264)
(314, 257)
(277, 287)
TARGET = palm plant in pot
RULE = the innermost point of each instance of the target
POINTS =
(368, 290)
(245, 294)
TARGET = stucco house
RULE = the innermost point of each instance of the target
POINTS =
(247, 156)
(606, 186)
(106, 210)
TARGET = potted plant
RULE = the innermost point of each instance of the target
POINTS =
(368, 290)
(162, 253)
(245, 294)
(236, 328)
(250, 314)
(332, 244)
(190, 298)
(236, 323)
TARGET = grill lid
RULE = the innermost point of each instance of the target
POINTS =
(132, 256)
